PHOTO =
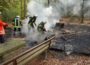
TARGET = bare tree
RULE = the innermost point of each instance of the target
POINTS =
(84, 9)
(48, 2)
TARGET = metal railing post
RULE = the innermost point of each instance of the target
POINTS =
(49, 43)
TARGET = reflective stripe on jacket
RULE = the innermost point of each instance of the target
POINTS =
(17, 23)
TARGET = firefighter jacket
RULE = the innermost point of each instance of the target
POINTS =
(41, 27)
(2, 25)
(17, 23)
(32, 21)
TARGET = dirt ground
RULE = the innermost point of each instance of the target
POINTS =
(58, 58)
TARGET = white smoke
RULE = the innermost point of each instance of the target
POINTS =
(76, 6)
(50, 14)
(45, 14)
(25, 26)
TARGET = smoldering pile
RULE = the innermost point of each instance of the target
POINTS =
(76, 41)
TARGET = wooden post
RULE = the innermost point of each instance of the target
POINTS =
(46, 55)
(14, 62)
(1, 58)
(49, 43)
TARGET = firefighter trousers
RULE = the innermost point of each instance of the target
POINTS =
(2, 39)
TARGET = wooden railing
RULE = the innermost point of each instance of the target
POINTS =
(31, 53)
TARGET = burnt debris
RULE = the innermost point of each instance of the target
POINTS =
(79, 41)
(59, 26)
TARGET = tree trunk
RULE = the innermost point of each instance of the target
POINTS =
(25, 8)
(82, 12)
(48, 2)
(21, 9)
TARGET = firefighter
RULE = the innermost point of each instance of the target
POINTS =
(17, 25)
(41, 27)
(32, 21)
(3, 25)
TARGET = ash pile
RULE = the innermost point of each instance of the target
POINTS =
(73, 39)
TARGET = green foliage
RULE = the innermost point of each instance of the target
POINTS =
(11, 12)
(11, 8)
(8, 14)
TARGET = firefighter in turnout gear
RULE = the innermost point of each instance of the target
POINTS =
(17, 25)
(41, 27)
(3, 25)
(32, 21)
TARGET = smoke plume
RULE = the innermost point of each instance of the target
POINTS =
(50, 13)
